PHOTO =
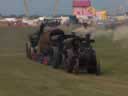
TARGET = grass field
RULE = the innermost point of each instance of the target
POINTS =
(22, 77)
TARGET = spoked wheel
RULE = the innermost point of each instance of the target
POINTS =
(76, 66)
(57, 62)
(72, 65)
(67, 65)
(69, 68)
(56, 58)
(93, 65)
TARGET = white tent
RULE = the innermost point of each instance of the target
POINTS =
(10, 19)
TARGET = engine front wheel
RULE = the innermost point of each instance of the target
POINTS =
(68, 66)
(93, 65)
(76, 66)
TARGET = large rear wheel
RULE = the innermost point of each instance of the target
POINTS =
(93, 65)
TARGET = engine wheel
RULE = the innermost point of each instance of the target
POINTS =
(68, 65)
(98, 69)
(76, 66)
(92, 64)
(56, 58)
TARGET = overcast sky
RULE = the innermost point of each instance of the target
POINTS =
(45, 7)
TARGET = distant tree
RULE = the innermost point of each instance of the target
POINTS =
(34, 16)
(126, 13)
(13, 15)
(1, 15)
(21, 16)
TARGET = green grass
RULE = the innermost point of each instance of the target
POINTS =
(22, 77)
